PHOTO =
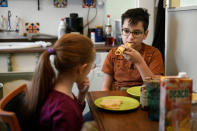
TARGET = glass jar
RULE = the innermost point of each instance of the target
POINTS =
(153, 93)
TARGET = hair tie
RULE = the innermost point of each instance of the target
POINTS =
(51, 51)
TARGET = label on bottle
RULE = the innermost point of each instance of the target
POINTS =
(143, 98)
(108, 30)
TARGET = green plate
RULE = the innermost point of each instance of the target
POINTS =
(128, 103)
(134, 91)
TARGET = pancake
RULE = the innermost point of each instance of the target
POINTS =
(111, 103)
(121, 49)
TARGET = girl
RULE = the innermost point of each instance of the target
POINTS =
(50, 100)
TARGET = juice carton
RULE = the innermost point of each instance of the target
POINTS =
(175, 103)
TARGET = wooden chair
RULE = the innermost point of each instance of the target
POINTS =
(10, 108)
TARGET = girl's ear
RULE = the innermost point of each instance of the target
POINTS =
(82, 68)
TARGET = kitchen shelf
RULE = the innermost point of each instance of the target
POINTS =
(187, 8)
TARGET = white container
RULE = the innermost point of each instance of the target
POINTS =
(92, 36)
(182, 75)
(61, 28)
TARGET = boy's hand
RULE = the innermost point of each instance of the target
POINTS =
(131, 54)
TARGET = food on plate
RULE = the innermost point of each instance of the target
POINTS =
(111, 103)
(121, 49)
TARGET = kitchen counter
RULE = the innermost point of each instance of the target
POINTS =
(15, 37)
(98, 47)
(103, 47)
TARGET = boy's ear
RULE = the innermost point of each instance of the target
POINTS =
(146, 34)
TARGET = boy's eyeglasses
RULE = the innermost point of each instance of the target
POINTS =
(127, 32)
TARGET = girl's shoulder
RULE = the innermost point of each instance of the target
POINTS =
(58, 98)
(57, 102)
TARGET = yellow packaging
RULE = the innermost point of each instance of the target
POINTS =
(175, 103)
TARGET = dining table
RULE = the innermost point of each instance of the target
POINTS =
(129, 120)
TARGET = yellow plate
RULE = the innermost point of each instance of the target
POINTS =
(135, 91)
(128, 103)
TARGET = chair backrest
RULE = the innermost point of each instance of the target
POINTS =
(10, 108)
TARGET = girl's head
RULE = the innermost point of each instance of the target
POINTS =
(73, 54)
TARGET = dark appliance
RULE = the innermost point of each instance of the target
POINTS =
(74, 24)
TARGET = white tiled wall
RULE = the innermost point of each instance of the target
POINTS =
(49, 16)
(150, 5)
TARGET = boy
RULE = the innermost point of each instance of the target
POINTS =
(136, 62)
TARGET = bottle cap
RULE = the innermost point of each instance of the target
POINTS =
(99, 26)
(108, 16)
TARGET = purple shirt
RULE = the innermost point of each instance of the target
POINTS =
(61, 113)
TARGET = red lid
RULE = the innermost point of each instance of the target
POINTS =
(108, 15)
(62, 19)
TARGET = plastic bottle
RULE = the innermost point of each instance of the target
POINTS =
(61, 28)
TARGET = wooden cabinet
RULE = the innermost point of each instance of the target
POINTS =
(16, 69)
(17, 65)
(18, 62)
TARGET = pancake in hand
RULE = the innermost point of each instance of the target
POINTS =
(121, 49)
(111, 103)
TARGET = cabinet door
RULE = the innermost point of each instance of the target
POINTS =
(24, 62)
(12, 80)
(3, 62)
